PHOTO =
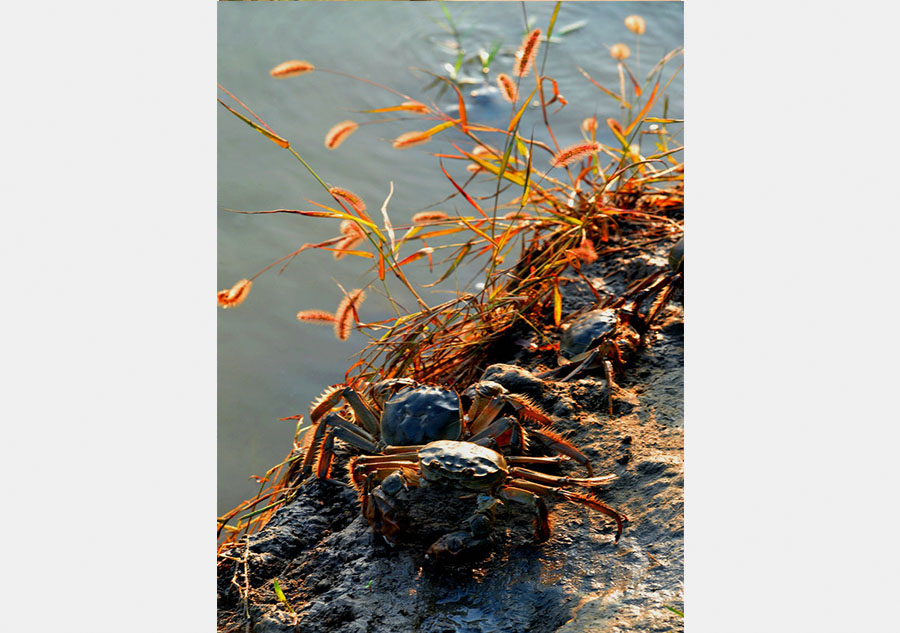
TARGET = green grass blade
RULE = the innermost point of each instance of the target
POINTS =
(280, 594)
(674, 610)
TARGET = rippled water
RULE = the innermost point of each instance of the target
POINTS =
(269, 365)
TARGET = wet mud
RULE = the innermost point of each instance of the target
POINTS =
(338, 576)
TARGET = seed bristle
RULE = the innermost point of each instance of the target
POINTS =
(411, 139)
(235, 295)
(315, 315)
(346, 313)
(507, 87)
(291, 68)
(526, 53)
(427, 217)
(339, 133)
(573, 153)
(349, 197)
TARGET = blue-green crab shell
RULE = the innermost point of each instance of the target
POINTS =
(420, 415)
(577, 338)
(463, 464)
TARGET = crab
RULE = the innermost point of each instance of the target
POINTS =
(610, 336)
(384, 481)
(399, 415)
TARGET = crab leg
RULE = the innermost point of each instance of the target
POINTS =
(476, 534)
(410, 456)
(326, 400)
(319, 450)
(346, 431)
(558, 443)
(487, 411)
(574, 497)
(362, 410)
(521, 495)
(489, 437)
(316, 436)
(642, 291)
(516, 459)
(528, 409)
(358, 470)
(394, 450)
(663, 298)
(554, 480)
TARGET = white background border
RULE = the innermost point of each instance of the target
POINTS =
(109, 338)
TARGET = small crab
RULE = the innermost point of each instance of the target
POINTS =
(611, 335)
(399, 415)
(383, 482)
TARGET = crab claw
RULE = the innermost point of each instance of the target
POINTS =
(457, 544)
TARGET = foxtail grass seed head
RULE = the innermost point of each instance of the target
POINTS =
(483, 150)
(235, 295)
(320, 316)
(291, 69)
(347, 244)
(619, 52)
(415, 106)
(427, 217)
(572, 153)
(411, 139)
(349, 227)
(615, 126)
(507, 87)
(339, 133)
(343, 317)
(589, 125)
(636, 24)
(349, 197)
(526, 53)
(516, 215)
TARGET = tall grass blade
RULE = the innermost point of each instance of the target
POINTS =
(462, 191)
(650, 100)
(267, 133)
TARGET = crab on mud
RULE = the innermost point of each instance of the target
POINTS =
(383, 482)
(401, 415)
(611, 335)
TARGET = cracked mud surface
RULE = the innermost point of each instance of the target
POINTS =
(340, 577)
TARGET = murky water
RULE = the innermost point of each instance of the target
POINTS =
(269, 365)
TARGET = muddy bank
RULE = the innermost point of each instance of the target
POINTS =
(339, 577)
